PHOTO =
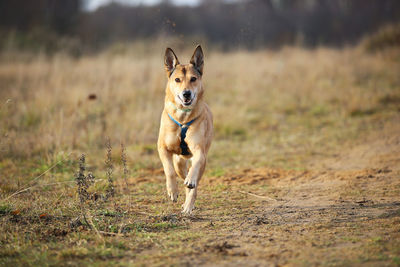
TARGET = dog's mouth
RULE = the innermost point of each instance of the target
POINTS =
(186, 101)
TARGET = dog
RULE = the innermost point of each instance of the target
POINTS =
(186, 127)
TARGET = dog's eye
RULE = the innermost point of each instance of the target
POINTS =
(193, 79)
(177, 80)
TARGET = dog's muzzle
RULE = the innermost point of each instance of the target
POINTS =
(186, 97)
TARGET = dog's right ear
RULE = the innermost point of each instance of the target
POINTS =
(170, 61)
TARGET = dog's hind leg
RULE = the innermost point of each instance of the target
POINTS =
(170, 175)
(181, 166)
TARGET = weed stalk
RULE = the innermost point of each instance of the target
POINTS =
(110, 190)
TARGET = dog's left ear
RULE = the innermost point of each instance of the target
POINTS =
(198, 59)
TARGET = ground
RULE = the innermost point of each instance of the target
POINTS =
(306, 173)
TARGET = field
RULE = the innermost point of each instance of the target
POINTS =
(304, 168)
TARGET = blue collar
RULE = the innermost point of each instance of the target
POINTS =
(180, 124)
(184, 128)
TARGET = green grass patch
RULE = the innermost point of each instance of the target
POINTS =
(5, 209)
(217, 172)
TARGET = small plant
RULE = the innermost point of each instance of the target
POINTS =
(83, 181)
(88, 199)
(125, 170)
(125, 177)
(125, 173)
(124, 165)
(110, 190)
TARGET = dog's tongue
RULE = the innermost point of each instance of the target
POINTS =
(187, 100)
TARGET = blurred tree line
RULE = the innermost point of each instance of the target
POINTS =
(247, 23)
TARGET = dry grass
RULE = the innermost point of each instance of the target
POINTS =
(283, 109)
(292, 101)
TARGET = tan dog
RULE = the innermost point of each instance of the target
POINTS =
(186, 128)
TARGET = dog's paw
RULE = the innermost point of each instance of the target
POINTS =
(173, 195)
(187, 209)
(190, 183)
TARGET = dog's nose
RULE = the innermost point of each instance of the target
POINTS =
(187, 94)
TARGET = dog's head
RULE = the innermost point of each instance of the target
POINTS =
(184, 81)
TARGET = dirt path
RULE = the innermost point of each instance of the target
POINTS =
(345, 212)
(332, 217)
(380, 149)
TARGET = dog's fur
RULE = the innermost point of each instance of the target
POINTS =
(199, 134)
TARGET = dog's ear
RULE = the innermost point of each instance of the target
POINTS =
(170, 61)
(198, 59)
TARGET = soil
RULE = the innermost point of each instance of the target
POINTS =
(344, 210)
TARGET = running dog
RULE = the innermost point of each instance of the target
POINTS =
(186, 128)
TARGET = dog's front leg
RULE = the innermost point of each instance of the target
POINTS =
(193, 178)
(170, 174)
(197, 169)
(191, 195)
